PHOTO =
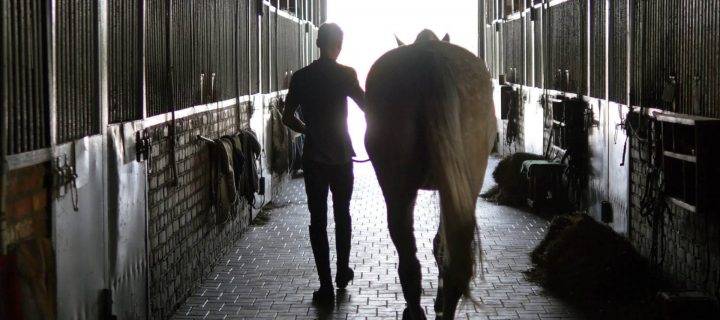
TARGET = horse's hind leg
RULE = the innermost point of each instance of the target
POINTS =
(447, 296)
(437, 252)
(450, 298)
(400, 223)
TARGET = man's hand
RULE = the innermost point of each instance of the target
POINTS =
(290, 119)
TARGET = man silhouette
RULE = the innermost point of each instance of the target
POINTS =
(321, 90)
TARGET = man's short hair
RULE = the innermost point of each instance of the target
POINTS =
(329, 34)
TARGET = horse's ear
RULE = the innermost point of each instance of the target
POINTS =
(446, 38)
(399, 43)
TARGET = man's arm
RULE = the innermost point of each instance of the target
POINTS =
(356, 93)
(289, 117)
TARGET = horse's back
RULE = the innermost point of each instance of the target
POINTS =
(396, 78)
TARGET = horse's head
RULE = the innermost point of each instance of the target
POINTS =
(424, 36)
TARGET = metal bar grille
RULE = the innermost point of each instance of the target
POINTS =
(288, 53)
(265, 54)
(227, 77)
(158, 75)
(617, 58)
(281, 53)
(597, 47)
(273, 43)
(491, 57)
(315, 14)
(242, 38)
(315, 49)
(678, 40)
(567, 42)
(24, 74)
(539, 45)
(514, 67)
(124, 60)
(299, 46)
(255, 10)
(527, 39)
(185, 91)
(213, 56)
(77, 69)
(201, 49)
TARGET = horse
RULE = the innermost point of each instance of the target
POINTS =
(431, 125)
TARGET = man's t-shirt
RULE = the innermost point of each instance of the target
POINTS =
(321, 89)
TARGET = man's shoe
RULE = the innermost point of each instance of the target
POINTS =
(324, 297)
(343, 278)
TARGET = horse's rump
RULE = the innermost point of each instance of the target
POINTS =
(401, 83)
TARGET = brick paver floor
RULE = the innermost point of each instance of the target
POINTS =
(270, 272)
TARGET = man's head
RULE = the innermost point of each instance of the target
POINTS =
(330, 39)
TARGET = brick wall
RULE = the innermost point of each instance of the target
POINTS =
(185, 240)
(685, 246)
(27, 205)
(27, 272)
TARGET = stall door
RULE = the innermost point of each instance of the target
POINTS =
(127, 224)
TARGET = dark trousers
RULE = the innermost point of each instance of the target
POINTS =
(319, 178)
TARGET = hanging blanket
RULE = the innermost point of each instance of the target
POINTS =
(246, 143)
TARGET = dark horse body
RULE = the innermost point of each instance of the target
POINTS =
(431, 125)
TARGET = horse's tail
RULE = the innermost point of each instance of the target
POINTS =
(450, 168)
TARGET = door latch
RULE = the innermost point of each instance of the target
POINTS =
(64, 177)
(142, 145)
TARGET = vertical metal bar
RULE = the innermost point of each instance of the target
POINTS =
(8, 96)
(98, 70)
(22, 76)
(14, 102)
(17, 137)
(66, 42)
(149, 50)
(141, 60)
(62, 63)
(84, 61)
(38, 75)
(3, 125)
(98, 75)
(30, 51)
(81, 62)
(77, 85)
(168, 54)
(51, 71)
(113, 21)
(119, 54)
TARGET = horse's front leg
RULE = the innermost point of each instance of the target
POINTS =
(400, 224)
